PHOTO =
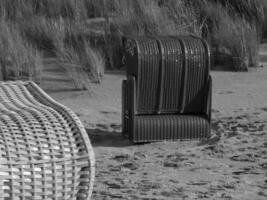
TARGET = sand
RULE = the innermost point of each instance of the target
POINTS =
(232, 164)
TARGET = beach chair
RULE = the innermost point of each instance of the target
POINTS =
(167, 93)
(45, 152)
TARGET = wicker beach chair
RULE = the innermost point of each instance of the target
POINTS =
(45, 152)
(167, 94)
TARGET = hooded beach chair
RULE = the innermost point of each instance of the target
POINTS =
(45, 152)
(167, 93)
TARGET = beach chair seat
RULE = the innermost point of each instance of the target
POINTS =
(45, 152)
(172, 127)
(166, 76)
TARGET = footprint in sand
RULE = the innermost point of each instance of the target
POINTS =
(176, 160)
(114, 168)
(113, 184)
(203, 195)
(244, 158)
(127, 162)
(171, 164)
(226, 196)
(131, 165)
(216, 150)
(247, 170)
(214, 188)
(122, 157)
(139, 155)
(177, 157)
(197, 183)
(174, 193)
(146, 185)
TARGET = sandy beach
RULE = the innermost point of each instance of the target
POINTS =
(232, 164)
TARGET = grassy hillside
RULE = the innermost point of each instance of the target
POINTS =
(41, 26)
(86, 34)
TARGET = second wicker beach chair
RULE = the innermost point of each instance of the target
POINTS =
(45, 152)
(167, 94)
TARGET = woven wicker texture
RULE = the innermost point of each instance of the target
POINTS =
(167, 94)
(45, 152)
(171, 127)
(171, 76)
(197, 73)
(143, 61)
(149, 127)
(170, 73)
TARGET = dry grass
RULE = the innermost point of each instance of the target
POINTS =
(47, 24)
(233, 26)
(70, 61)
(18, 59)
(150, 18)
(233, 35)
(16, 10)
(239, 38)
(252, 11)
(94, 63)
(83, 63)
(61, 27)
(146, 18)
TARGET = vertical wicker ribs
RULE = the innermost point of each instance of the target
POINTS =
(167, 93)
(145, 53)
(45, 152)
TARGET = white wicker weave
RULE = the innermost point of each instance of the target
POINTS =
(45, 152)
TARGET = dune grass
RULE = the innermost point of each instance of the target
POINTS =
(233, 34)
(30, 27)
(233, 26)
(145, 18)
(83, 63)
(18, 59)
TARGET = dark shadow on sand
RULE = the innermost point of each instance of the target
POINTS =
(104, 138)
